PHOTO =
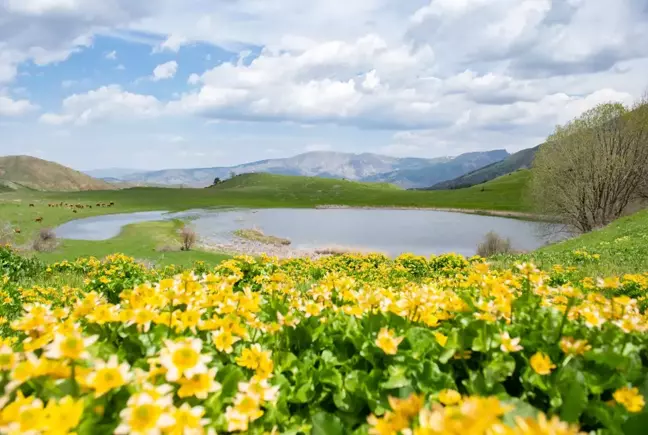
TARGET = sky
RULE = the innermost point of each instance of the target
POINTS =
(196, 83)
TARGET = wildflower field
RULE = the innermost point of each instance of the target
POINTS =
(342, 345)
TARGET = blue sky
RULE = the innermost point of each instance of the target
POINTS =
(196, 83)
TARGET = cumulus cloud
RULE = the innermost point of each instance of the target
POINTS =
(172, 43)
(165, 71)
(111, 55)
(10, 107)
(105, 103)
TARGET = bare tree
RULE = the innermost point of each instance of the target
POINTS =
(590, 170)
(188, 238)
(493, 244)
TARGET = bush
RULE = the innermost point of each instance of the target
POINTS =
(45, 241)
(493, 244)
(188, 238)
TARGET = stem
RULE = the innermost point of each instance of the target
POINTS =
(75, 385)
(564, 319)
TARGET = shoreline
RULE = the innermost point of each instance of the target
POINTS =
(495, 213)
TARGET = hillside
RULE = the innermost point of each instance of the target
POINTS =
(405, 172)
(38, 174)
(428, 175)
(520, 160)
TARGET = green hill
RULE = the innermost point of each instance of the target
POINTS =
(277, 191)
(38, 174)
(520, 160)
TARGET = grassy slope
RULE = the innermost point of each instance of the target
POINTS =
(267, 190)
(622, 245)
(40, 174)
(520, 160)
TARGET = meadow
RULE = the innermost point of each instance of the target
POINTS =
(348, 344)
(549, 342)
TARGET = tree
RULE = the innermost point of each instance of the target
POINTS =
(590, 170)
(217, 180)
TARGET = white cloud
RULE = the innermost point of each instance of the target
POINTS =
(105, 103)
(111, 55)
(10, 107)
(165, 71)
(173, 43)
(194, 79)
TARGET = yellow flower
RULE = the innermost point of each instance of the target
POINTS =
(8, 359)
(571, 346)
(64, 416)
(510, 344)
(254, 358)
(183, 358)
(224, 340)
(388, 342)
(449, 397)
(260, 389)
(541, 425)
(199, 385)
(187, 420)
(440, 338)
(145, 414)
(71, 346)
(108, 376)
(541, 363)
(629, 398)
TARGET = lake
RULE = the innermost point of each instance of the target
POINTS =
(423, 232)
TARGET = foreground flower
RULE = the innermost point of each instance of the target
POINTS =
(145, 415)
(571, 346)
(187, 420)
(199, 385)
(449, 397)
(542, 425)
(183, 358)
(70, 346)
(108, 376)
(510, 344)
(629, 398)
(388, 342)
(541, 363)
(224, 340)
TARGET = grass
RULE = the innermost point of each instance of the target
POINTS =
(255, 235)
(142, 241)
(622, 247)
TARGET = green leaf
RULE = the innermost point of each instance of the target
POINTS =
(603, 413)
(332, 377)
(574, 393)
(327, 424)
(501, 367)
(522, 409)
(231, 375)
(397, 378)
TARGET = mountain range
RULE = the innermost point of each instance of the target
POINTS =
(406, 172)
(520, 160)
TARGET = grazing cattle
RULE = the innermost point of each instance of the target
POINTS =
(32, 205)
(17, 231)
(38, 219)
(74, 211)
(111, 204)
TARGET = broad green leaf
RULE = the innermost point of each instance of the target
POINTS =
(327, 424)
(574, 394)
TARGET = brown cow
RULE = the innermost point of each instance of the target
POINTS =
(17, 230)
(74, 211)
(38, 219)
(32, 205)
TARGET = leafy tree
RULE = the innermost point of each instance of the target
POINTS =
(590, 170)
(217, 180)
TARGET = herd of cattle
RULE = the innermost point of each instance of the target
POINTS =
(73, 207)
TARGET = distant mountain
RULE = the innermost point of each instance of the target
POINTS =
(33, 173)
(520, 160)
(405, 172)
(114, 173)
(426, 175)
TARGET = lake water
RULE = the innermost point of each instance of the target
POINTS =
(392, 232)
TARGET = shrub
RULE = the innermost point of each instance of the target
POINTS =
(493, 244)
(188, 238)
(45, 241)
